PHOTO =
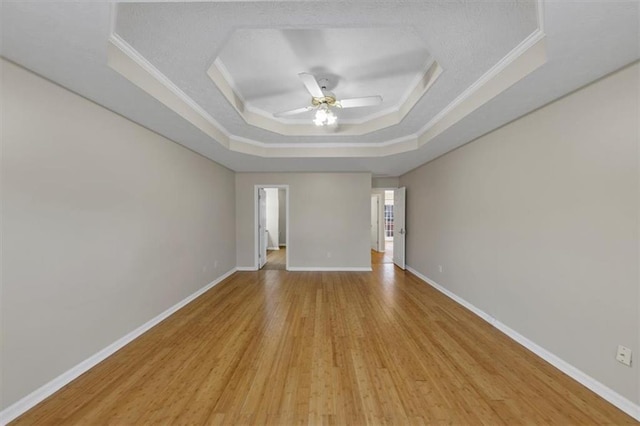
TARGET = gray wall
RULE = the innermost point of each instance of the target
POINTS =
(385, 182)
(329, 218)
(105, 225)
(537, 224)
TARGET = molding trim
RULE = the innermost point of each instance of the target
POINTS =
(520, 62)
(329, 268)
(26, 403)
(273, 248)
(514, 66)
(584, 379)
(124, 59)
(419, 86)
(246, 268)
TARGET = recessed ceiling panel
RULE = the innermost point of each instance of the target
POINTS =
(263, 65)
(428, 52)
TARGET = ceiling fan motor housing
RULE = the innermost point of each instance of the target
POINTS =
(330, 100)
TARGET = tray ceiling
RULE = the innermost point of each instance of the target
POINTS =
(149, 62)
(236, 66)
(261, 65)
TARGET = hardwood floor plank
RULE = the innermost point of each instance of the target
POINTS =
(287, 348)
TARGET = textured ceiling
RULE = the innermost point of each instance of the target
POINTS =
(65, 42)
(264, 65)
(466, 38)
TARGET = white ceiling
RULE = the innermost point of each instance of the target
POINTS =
(67, 43)
(264, 65)
(263, 45)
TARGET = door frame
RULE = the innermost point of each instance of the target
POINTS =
(256, 222)
(380, 229)
(262, 228)
(400, 261)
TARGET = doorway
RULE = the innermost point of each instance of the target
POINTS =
(382, 240)
(271, 227)
(399, 229)
(388, 225)
(392, 245)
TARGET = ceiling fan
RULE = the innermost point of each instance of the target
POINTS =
(323, 100)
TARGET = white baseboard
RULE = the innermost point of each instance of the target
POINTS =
(604, 391)
(273, 248)
(246, 268)
(23, 405)
(283, 245)
(329, 268)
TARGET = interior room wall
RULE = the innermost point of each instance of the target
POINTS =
(105, 225)
(381, 237)
(328, 224)
(537, 224)
(282, 216)
(273, 218)
(385, 182)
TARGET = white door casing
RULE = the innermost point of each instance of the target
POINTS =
(374, 222)
(260, 216)
(262, 227)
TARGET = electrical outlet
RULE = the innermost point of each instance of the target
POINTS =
(440, 268)
(624, 355)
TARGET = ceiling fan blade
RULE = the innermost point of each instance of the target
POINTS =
(360, 102)
(293, 111)
(311, 84)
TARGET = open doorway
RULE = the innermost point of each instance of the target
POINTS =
(382, 226)
(391, 244)
(271, 226)
(388, 226)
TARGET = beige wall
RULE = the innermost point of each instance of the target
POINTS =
(329, 218)
(385, 182)
(105, 225)
(537, 224)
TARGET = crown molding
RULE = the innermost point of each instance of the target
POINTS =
(221, 77)
(523, 59)
(127, 61)
(517, 64)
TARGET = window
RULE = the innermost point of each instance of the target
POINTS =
(388, 214)
(388, 220)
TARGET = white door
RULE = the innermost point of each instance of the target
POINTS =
(262, 227)
(399, 229)
(374, 222)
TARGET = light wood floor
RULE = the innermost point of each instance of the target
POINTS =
(276, 259)
(385, 257)
(285, 348)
